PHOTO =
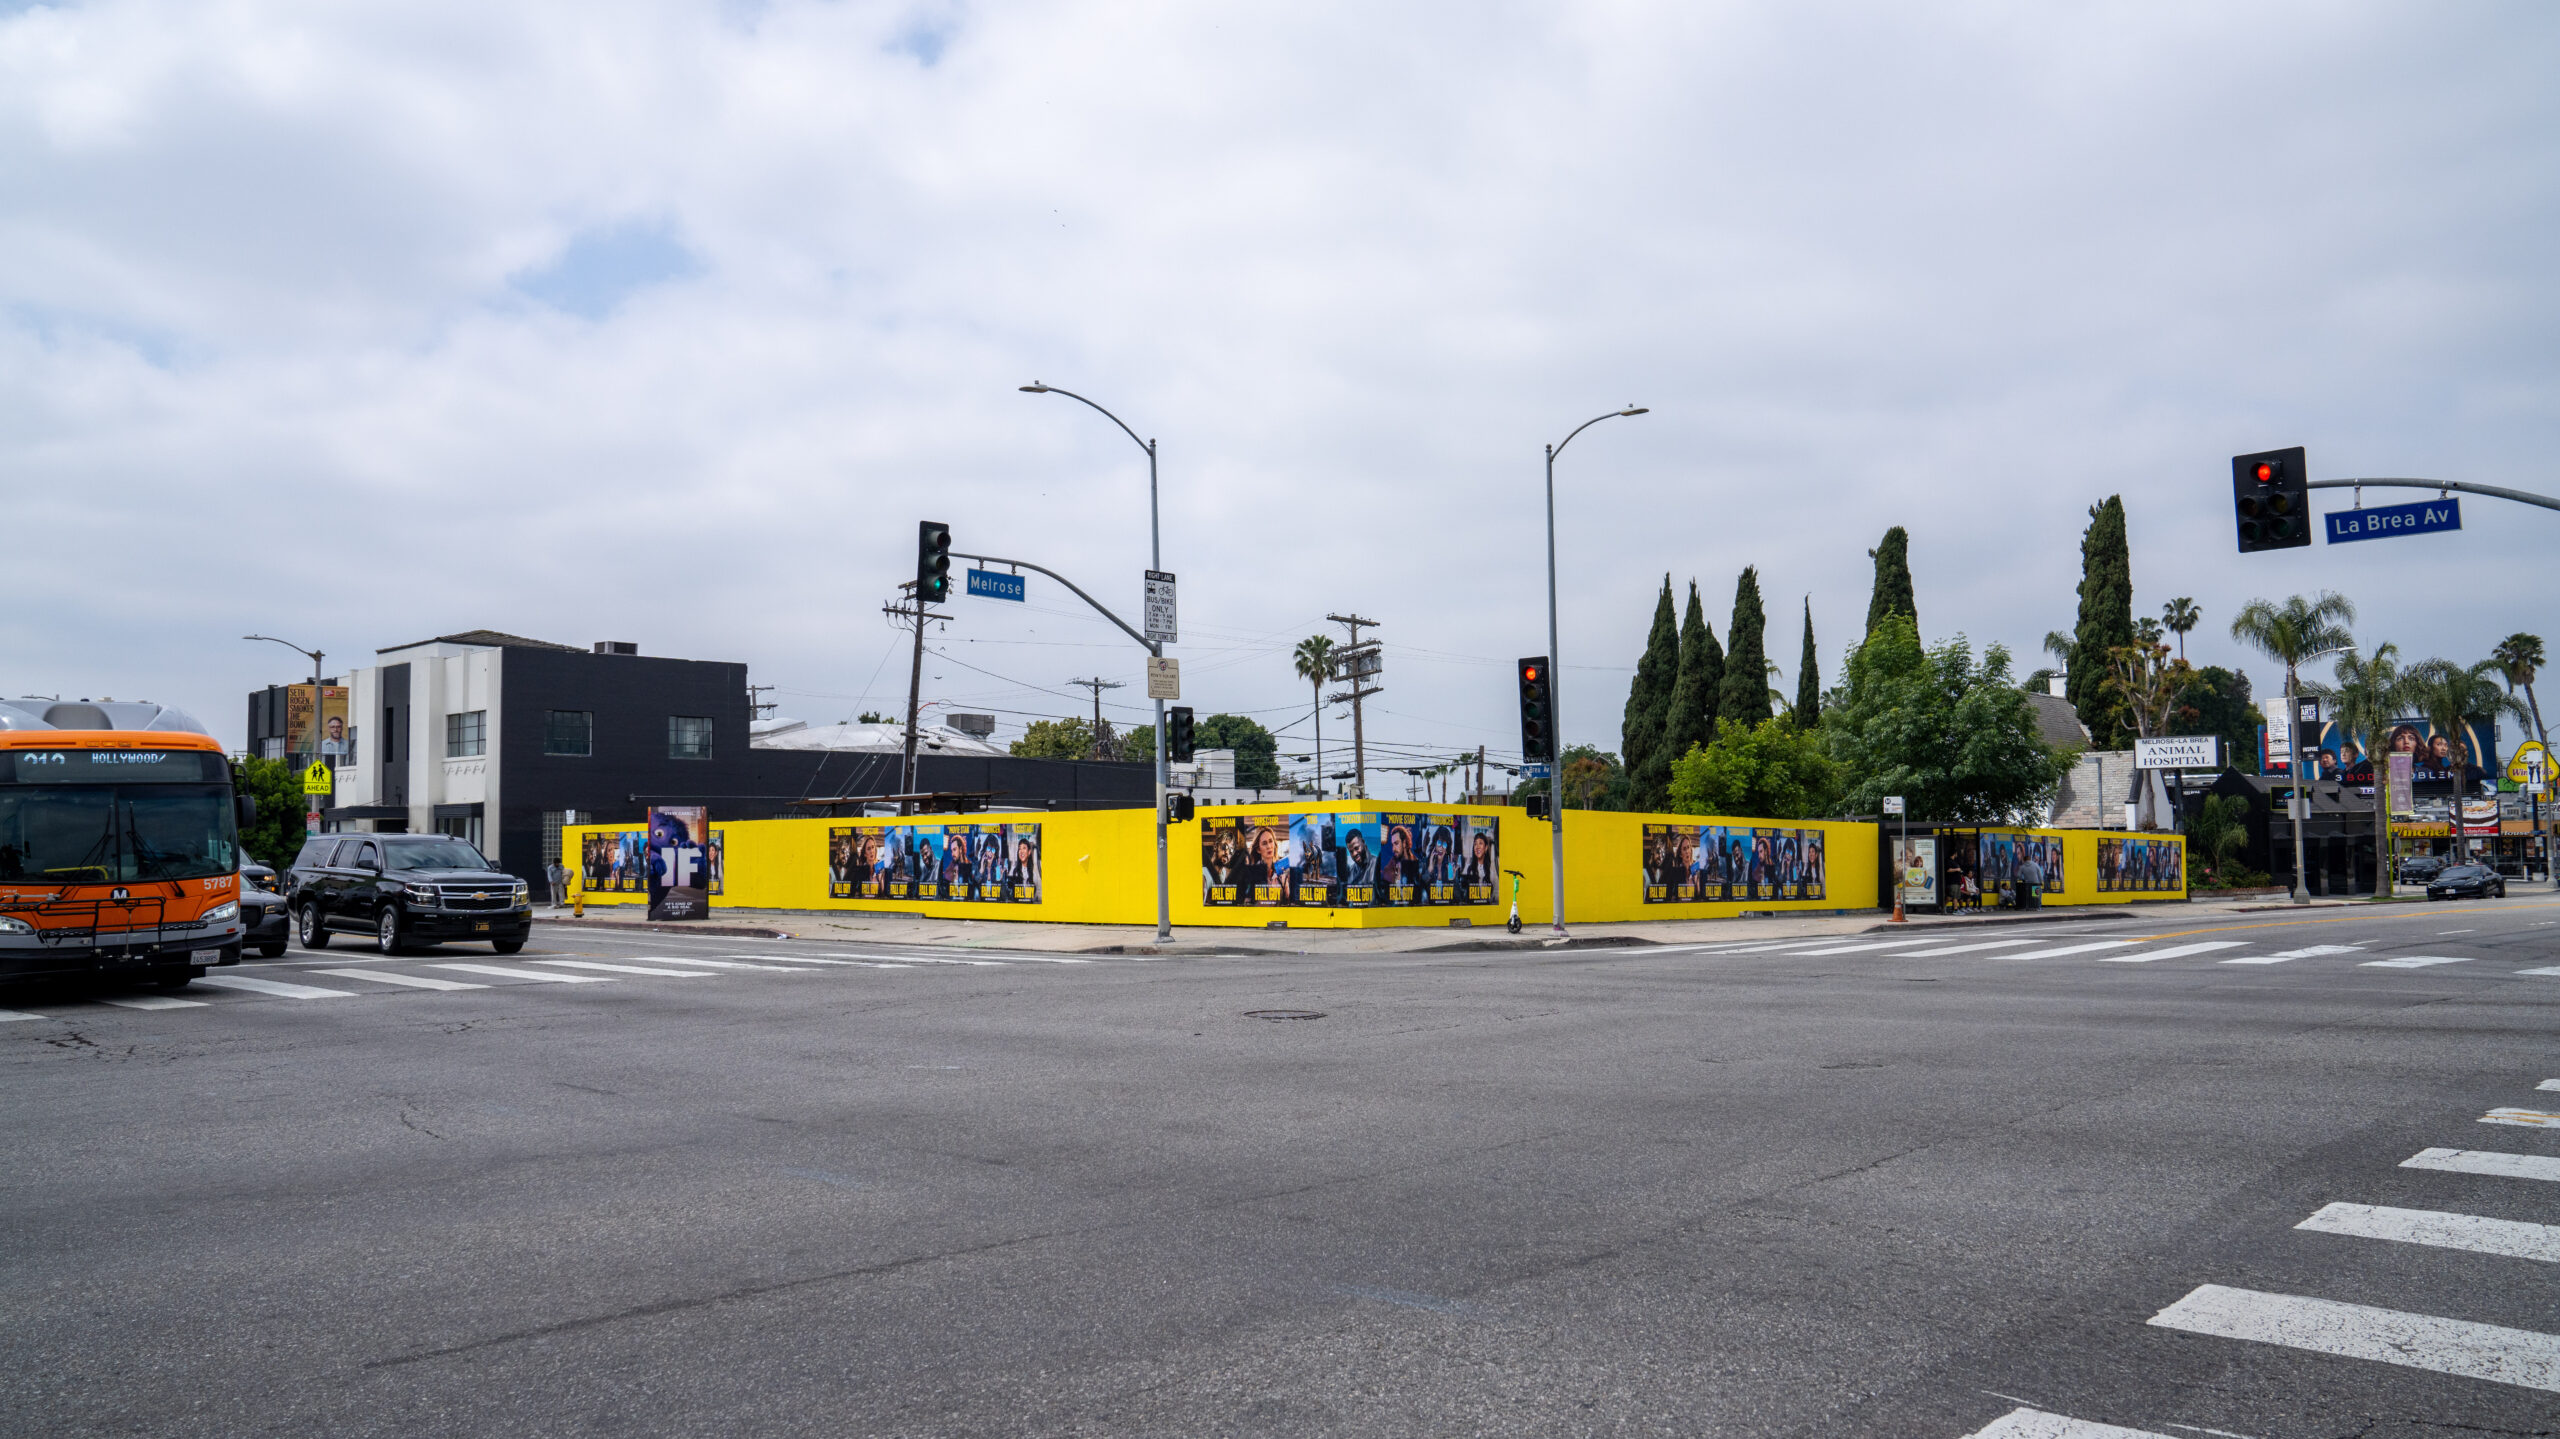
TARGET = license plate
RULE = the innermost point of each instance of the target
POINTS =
(481, 928)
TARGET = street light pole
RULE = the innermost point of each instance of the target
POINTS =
(1155, 561)
(311, 811)
(1555, 697)
(2299, 810)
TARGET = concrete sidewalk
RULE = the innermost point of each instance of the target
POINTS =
(1053, 938)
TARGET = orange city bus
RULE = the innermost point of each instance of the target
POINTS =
(119, 844)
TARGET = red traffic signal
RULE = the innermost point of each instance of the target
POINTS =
(2271, 500)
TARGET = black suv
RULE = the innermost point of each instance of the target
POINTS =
(404, 889)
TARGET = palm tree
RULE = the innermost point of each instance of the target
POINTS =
(2295, 632)
(2520, 655)
(2449, 695)
(1314, 659)
(2371, 694)
(2181, 615)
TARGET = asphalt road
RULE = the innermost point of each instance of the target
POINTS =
(1923, 1191)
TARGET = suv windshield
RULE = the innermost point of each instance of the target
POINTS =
(432, 854)
(101, 834)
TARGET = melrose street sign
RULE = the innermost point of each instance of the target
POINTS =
(995, 586)
(2386, 521)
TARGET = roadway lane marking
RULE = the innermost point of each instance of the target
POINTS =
(414, 981)
(2180, 951)
(2486, 1161)
(2411, 961)
(2311, 951)
(154, 1001)
(2442, 932)
(2549, 1084)
(8, 1016)
(275, 987)
(1970, 948)
(502, 972)
(2357, 1331)
(2526, 1118)
(718, 964)
(2096, 944)
(2555, 969)
(1855, 948)
(629, 968)
(883, 961)
(2511, 1238)
(2037, 1424)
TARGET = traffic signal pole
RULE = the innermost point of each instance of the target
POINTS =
(1555, 656)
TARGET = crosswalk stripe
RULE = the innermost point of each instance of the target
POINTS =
(2093, 945)
(628, 968)
(2177, 951)
(2510, 1238)
(2358, 1331)
(276, 987)
(2549, 1084)
(2308, 951)
(2037, 1424)
(502, 972)
(153, 1001)
(1855, 948)
(2486, 1161)
(8, 1015)
(2411, 961)
(727, 964)
(413, 981)
(2548, 969)
(1970, 948)
(2529, 1118)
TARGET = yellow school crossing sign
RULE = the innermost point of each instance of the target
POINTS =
(317, 779)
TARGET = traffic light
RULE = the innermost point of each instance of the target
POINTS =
(1177, 808)
(1536, 805)
(2271, 498)
(1177, 734)
(933, 561)
(1537, 711)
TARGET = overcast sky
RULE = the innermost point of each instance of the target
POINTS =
(667, 321)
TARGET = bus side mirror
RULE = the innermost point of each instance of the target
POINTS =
(247, 805)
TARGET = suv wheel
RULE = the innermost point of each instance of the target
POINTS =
(386, 934)
(313, 932)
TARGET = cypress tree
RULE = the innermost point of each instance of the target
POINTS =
(1808, 677)
(1692, 719)
(1649, 698)
(1744, 696)
(1892, 594)
(2106, 623)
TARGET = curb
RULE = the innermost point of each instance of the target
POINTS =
(732, 931)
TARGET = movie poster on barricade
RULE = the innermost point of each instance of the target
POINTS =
(1314, 859)
(1349, 860)
(962, 863)
(615, 861)
(1480, 875)
(679, 862)
(1815, 866)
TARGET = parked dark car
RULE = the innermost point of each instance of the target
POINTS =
(266, 921)
(405, 889)
(259, 875)
(2419, 868)
(2467, 881)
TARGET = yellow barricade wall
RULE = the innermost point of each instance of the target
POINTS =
(1098, 866)
(2080, 857)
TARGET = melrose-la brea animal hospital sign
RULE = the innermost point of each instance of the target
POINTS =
(2185, 751)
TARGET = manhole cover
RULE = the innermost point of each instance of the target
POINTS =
(1284, 1014)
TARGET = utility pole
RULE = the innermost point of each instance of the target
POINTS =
(1479, 795)
(912, 612)
(1105, 744)
(1356, 664)
(758, 707)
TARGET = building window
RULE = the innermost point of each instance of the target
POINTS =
(466, 735)
(570, 732)
(688, 737)
(271, 747)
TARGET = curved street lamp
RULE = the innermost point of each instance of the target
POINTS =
(1155, 561)
(1555, 661)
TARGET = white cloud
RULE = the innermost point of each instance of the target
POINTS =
(666, 322)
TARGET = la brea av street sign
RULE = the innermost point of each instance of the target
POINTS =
(2185, 751)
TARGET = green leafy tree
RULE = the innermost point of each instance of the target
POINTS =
(2295, 633)
(1692, 720)
(1892, 594)
(1649, 697)
(2181, 615)
(2372, 693)
(874, 717)
(1952, 735)
(2218, 833)
(2519, 655)
(1773, 770)
(2216, 701)
(1056, 739)
(1743, 696)
(2106, 625)
(1593, 779)
(1139, 744)
(1257, 753)
(1313, 660)
(277, 835)
(1808, 677)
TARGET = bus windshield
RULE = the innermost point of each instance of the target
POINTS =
(106, 834)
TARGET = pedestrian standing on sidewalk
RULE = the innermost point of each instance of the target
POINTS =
(558, 874)
(2030, 884)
